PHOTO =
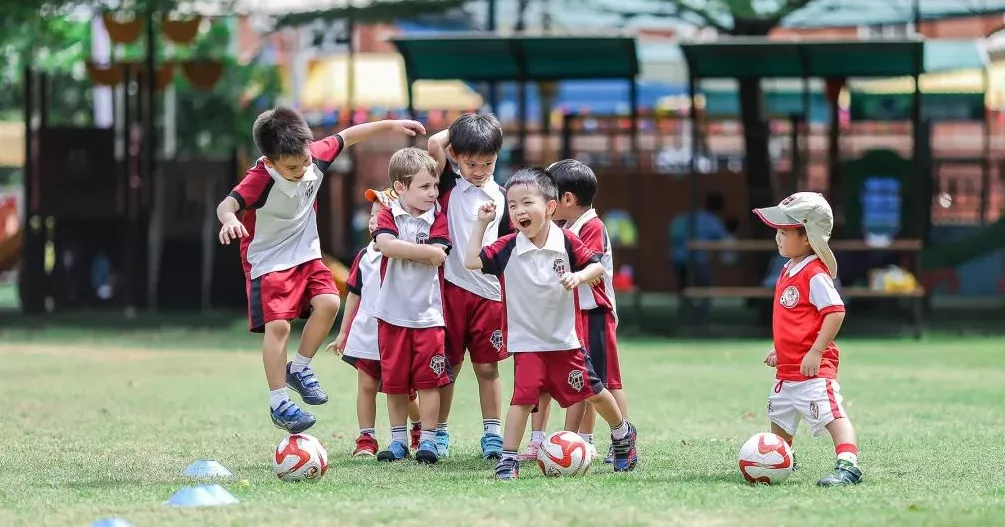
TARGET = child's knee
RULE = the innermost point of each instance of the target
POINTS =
(326, 305)
(278, 329)
(487, 371)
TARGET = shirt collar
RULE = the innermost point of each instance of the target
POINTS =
(587, 216)
(794, 269)
(428, 216)
(286, 186)
(554, 243)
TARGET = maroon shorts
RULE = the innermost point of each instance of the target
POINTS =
(601, 331)
(411, 358)
(474, 324)
(287, 294)
(370, 368)
(567, 375)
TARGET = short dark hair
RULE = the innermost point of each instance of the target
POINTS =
(536, 177)
(573, 176)
(476, 134)
(281, 132)
(715, 202)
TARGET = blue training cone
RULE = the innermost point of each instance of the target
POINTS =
(111, 522)
(209, 495)
(205, 468)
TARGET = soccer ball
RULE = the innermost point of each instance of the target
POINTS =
(300, 457)
(563, 454)
(765, 458)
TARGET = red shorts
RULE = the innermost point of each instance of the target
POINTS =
(411, 358)
(287, 294)
(601, 331)
(371, 368)
(474, 324)
(567, 375)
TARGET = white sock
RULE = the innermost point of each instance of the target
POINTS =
(441, 427)
(400, 434)
(536, 436)
(368, 432)
(300, 363)
(427, 435)
(278, 397)
(587, 437)
(492, 426)
(849, 457)
(620, 431)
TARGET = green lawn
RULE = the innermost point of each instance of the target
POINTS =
(105, 427)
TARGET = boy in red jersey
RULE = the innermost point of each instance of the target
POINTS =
(273, 212)
(540, 268)
(808, 314)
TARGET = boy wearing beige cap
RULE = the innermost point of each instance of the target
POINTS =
(807, 315)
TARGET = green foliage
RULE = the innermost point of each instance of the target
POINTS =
(378, 11)
(745, 17)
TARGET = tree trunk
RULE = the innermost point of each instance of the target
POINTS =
(755, 143)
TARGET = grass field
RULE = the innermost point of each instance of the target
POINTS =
(104, 426)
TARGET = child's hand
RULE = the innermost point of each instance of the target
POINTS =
(232, 230)
(487, 212)
(570, 281)
(811, 363)
(438, 257)
(409, 128)
(338, 346)
(771, 359)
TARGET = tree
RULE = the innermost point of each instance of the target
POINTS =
(735, 18)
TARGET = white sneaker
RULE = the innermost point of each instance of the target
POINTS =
(529, 453)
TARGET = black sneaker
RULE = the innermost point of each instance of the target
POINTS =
(795, 467)
(844, 473)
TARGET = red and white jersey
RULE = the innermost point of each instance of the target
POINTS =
(804, 294)
(461, 205)
(540, 314)
(364, 282)
(411, 293)
(593, 232)
(281, 215)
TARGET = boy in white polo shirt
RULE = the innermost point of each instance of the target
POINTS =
(539, 268)
(413, 239)
(807, 316)
(357, 338)
(281, 250)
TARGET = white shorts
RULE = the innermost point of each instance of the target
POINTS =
(816, 400)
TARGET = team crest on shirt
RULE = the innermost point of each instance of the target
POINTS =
(576, 379)
(422, 237)
(496, 339)
(814, 410)
(438, 363)
(789, 297)
(559, 266)
(308, 192)
(769, 406)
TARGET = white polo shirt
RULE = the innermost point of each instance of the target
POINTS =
(281, 215)
(592, 231)
(461, 205)
(540, 314)
(410, 292)
(364, 282)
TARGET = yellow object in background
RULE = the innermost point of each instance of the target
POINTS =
(892, 279)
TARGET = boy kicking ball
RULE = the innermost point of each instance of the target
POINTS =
(807, 316)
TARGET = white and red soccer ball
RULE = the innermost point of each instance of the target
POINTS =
(563, 454)
(765, 458)
(300, 457)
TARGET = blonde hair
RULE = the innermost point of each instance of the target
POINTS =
(408, 162)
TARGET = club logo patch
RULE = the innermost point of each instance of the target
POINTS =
(438, 364)
(496, 339)
(559, 266)
(789, 297)
(769, 406)
(814, 410)
(308, 193)
(422, 237)
(576, 379)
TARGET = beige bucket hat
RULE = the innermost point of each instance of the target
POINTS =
(811, 211)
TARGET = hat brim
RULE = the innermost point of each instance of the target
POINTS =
(777, 218)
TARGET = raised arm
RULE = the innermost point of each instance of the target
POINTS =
(362, 132)
(473, 252)
(437, 147)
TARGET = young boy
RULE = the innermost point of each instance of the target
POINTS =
(413, 240)
(281, 251)
(468, 151)
(357, 338)
(540, 268)
(577, 186)
(807, 316)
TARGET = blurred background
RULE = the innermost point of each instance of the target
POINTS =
(122, 125)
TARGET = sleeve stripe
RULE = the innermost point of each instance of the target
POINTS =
(239, 198)
(384, 231)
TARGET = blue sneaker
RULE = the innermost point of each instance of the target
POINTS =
(507, 469)
(442, 444)
(492, 446)
(610, 455)
(625, 454)
(306, 384)
(427, 452)
(396, 451)
(288, 416)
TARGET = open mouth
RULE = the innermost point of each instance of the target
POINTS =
(524, 223)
